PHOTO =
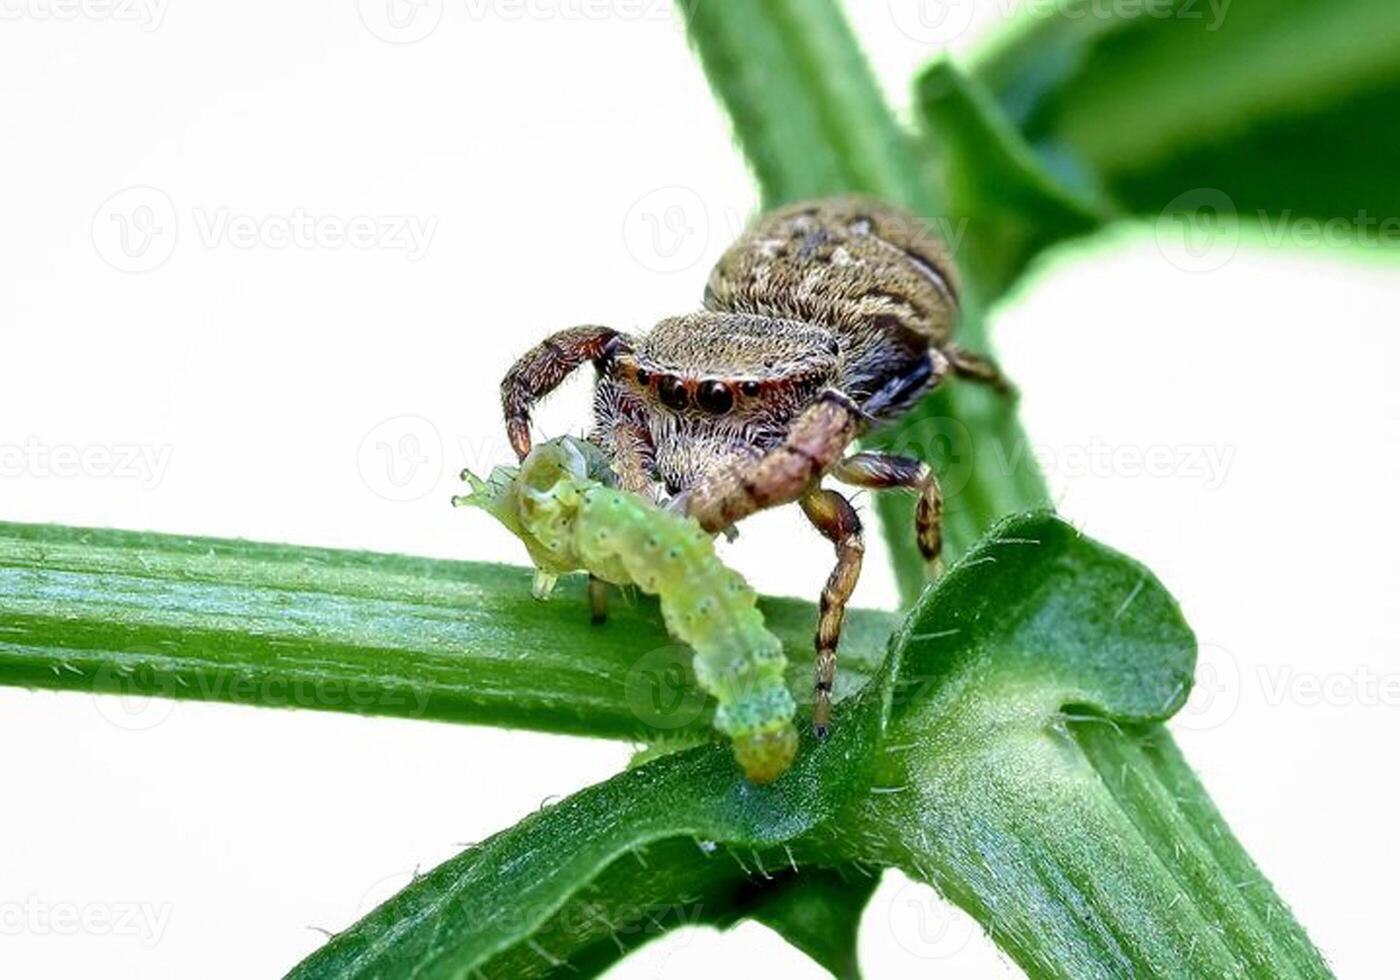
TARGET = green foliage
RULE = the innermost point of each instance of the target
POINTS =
(1007, 754)
(1277, 115)
(1009, 749)
(1024, 729)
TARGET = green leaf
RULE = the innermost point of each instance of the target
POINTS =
(684, 838)
(1007, 205)
(282, 626)
(1275, 112)
(1010, 755)
(1027, 778)
(1039, 601)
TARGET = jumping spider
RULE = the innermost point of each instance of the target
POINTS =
(823, 319)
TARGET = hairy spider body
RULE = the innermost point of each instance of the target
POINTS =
(822, 319)
(875, 277)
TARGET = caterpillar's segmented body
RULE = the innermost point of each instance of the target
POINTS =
(560, 504)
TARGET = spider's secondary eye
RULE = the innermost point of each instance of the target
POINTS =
(672, 392)
(715, 396)
(751, 389)
(643, 377)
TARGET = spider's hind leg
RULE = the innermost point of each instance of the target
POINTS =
(979, 368)
(833, 515)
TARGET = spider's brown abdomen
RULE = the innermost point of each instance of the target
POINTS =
(872, 272)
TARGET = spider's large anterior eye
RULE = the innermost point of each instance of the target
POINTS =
(714, 396)
(672, 392)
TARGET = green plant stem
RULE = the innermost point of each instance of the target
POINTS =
(812, 120)
(1010, 753)
(282, 626)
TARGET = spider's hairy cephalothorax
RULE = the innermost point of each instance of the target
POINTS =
(711, 389)
(824, 318)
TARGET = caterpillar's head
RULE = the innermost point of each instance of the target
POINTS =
(538, 501)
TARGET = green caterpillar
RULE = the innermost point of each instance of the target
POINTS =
(561, 505)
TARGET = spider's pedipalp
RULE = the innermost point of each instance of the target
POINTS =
(541, 370)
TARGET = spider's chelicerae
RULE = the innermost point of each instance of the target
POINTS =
(823, 319)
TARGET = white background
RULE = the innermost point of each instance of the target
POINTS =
(537, 150)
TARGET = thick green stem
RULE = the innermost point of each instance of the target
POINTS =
(281, 626)
(812, 120)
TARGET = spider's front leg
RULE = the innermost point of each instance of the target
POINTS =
(785, 473)
(541, 370)
(833, 515)
(788, 472)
